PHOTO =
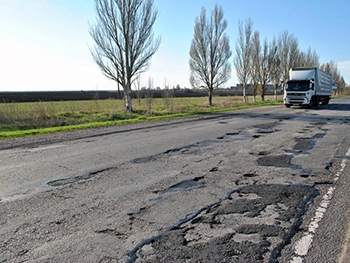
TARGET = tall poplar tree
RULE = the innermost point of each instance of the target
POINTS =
(124, 40)
(210, 52)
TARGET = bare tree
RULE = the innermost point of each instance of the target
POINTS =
(332, 68)
(293, 59)
(149, 96)
(288, 53)
(264, 69)
(124, 40)
(274, 65)
(255, 53)
(210, 52)
(242, 60)
(260, 56)
(309, 59)
(168, 97)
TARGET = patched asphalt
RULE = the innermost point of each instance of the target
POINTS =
(240, 197)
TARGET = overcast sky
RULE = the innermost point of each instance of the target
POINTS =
(44, 44)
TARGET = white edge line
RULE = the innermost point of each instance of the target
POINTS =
(303, 245)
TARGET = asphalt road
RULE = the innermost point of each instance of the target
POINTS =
(257, 185)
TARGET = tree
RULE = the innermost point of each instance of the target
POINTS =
(260, 57)
(274, 68)
(332, 68)
(124, 40)
(308, 59)
(288, 53)
(242, 60)
(210, 52)
(255, 53)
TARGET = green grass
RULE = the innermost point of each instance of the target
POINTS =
(28, 119)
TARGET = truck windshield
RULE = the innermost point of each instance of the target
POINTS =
(298, 86)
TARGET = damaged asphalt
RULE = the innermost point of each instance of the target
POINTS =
(243, 196)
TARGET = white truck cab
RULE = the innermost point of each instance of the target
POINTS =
(307, 87)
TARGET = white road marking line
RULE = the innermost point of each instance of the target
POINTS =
(303, 244)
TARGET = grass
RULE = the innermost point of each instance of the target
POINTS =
(28, 119)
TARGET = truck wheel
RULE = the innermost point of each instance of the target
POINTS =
(287, 105)
(326, 101)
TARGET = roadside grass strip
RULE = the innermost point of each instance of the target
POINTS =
(5, 134)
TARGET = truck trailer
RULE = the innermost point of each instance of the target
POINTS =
(307, 87)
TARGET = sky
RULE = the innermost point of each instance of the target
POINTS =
(45, 44)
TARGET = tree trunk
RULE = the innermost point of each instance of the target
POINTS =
(275, 91)
(210, 94)
(127, 99)
(244, 94)
(119, 97)
(255, 92)
(261, 89)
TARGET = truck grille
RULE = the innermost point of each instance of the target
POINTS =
(296, 101)
(296, 98)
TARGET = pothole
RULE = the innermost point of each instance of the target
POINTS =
(186, 185)
(113, 232)
(277, 161)
(237, 135)
(183, 150)
(305, 144)
(249, 175)
(209, 143)
(146, 159)
(71, 180)
(253, 224)
(266, 126)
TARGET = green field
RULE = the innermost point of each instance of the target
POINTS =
(23, 119)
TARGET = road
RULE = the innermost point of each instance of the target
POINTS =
(258, 185)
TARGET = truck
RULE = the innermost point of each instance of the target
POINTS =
(307, 87)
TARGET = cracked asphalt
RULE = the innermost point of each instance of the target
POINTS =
(245, 194)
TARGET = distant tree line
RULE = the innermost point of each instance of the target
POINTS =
(37, 96)
(332, 68)
(261, 62)
(41, 96)
(125, 43)
(257, 62)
